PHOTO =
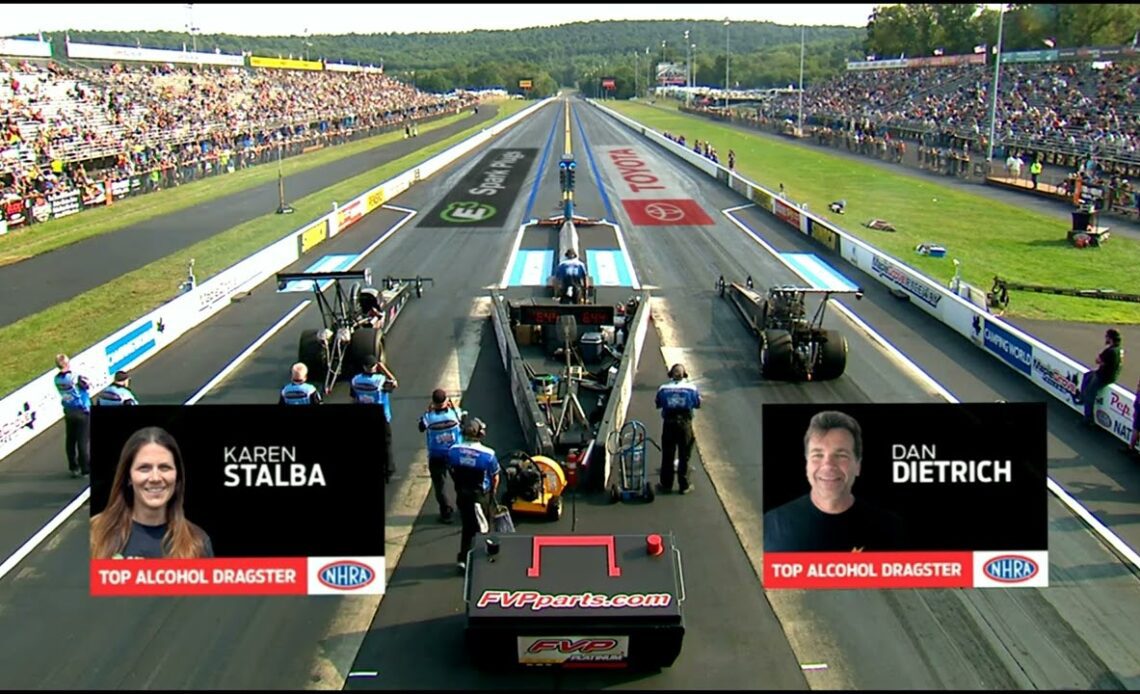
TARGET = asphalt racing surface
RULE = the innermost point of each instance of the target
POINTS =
(1079, 633)
(62, 274)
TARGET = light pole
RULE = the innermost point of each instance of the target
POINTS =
(191, 28)
(636, 73)
(688, 67)
(282, 208)
(800, 117)
(727, 53)
(648, 73)
(993, 101)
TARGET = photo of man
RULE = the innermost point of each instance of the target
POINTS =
(830, 517)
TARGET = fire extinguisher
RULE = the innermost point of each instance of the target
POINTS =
(572, 460)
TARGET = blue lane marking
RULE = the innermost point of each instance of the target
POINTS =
(593, 165)
(819, 273)
(615, 266)
(541, 169)
(328, 263)
(531, 268)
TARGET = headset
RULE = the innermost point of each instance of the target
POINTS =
(678, 371)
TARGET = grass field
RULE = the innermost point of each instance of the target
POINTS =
(77, 324)
(988, 237)
(27, 242)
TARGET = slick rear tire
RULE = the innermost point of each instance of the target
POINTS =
(832, 357)
(311, 353)
(554, 509)
(776, 354)
(365, 342)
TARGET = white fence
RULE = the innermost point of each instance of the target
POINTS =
(34, 407)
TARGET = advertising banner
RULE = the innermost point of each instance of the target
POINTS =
(863, 495)
(285, 63)
(311, 236)
(92, 51)
(189, 503)
(823, 234)
(786, 212)
(26, 48)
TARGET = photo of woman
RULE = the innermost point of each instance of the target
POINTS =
(144, 516)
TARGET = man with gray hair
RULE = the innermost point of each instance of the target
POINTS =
(830, 518)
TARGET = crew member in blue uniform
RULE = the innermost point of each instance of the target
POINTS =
(372, 388)
(299, 391)
(76, 400)
(571, 271)
(118, 393)
(475, 470)
(677, 399)
(441, 423)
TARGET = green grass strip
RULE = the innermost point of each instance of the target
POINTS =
(75, 325)
(26, 242)
(990, 238)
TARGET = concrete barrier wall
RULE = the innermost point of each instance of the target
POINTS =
(34, 407)
(1049, 369)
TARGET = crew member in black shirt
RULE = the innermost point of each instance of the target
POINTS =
(1107, 370)
(829, 518)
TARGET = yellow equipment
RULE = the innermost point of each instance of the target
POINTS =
(534, 485)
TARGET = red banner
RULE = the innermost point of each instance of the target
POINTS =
(849, 570)
(171, 577)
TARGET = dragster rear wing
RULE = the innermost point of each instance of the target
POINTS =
(284, 278)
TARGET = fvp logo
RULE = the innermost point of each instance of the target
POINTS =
(1010, 568)
(571, 646)
(467, 212)
(346, 575)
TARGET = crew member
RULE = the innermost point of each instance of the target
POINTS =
(475, 469)
(76, 400)
(118, 393)
(372, 388)
(299, 391)
(441, 422)
(571, 272)
(677, 399)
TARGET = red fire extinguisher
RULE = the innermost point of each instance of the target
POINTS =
(572, 460)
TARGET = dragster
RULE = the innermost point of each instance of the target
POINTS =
(793, 347)
(354, 321)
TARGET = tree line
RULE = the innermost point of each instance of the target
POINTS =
(582, 54)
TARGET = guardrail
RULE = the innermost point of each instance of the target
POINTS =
(34, 407)
(1045, 366)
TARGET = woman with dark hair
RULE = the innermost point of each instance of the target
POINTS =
(144, 516)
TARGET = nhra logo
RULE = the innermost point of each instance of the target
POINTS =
(1011, 568)
(346, 575)
(1103, 419)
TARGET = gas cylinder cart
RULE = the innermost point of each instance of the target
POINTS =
(628, 446)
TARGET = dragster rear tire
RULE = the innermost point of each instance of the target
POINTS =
(776, 355)
(554, 508)
(365, 342)
(833, 356)
(311, 353)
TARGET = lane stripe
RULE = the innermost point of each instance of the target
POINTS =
(531, 268)
(609, 267)
(594, 167)
(1125, 551)
(819, 273)
(541, 167)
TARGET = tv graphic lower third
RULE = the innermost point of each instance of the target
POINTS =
(905, 496)
(237, 500)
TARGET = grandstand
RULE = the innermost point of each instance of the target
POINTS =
(74, 130)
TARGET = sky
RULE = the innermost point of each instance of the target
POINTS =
(376, 18)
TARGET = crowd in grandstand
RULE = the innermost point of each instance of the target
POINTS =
(1081, 118)
(72, 129)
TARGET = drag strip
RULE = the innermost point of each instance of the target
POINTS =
(260, 642)
(60, 275)
(867, 639)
